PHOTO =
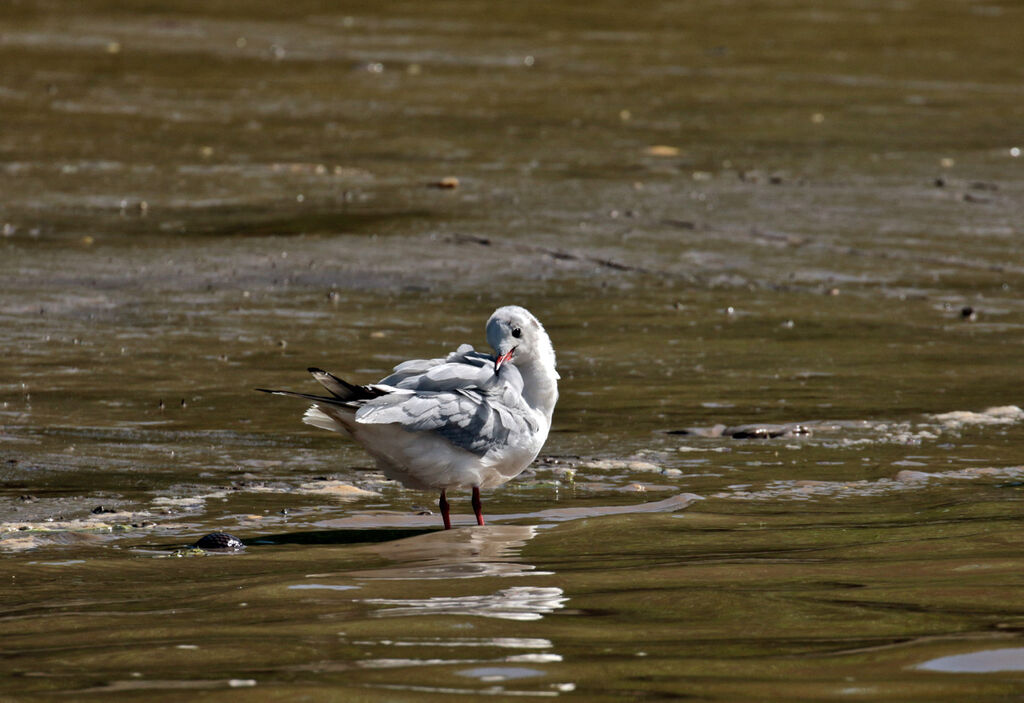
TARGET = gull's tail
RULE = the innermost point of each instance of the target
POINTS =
(330, 412)
(341, 392)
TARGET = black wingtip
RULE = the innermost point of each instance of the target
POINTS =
(314, 369)
(264, 390)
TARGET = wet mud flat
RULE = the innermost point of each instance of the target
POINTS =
(775, 250)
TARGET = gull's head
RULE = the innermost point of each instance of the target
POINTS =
(518, 337)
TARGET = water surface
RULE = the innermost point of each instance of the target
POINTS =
(774, 246)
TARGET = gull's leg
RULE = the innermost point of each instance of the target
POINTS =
(478, 506)
(443, 505)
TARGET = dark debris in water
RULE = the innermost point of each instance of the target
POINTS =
(220, 541)
(763, 431)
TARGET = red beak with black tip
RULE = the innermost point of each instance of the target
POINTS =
(502, 358)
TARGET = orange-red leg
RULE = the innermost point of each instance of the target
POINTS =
(478, 506)
(443, 504)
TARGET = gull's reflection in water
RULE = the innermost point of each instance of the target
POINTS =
(516, 603)
(460, 636)
(510, 661)
(492, 550)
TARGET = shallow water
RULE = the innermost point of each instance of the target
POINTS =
(786, 462)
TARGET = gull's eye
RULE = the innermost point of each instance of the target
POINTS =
(516, 332)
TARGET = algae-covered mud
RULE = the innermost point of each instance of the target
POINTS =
(775, 246)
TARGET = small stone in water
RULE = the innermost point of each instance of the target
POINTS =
(448, 182)
(220, 540)
(662, 150)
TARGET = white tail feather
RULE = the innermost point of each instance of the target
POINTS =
(318, 418)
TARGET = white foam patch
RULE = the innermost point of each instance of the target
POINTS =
(1001, 415)
(903, 481)
(621, 465)
(336, 489)
(23, 535)
(188, 502)
(847, 434)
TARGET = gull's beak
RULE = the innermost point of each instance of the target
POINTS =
(502, 358)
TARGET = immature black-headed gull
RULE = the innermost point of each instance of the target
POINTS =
(470, 420)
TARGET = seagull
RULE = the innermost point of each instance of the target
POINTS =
(468, 420)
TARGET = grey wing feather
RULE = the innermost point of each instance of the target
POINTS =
(467, 355)
(463, 373)
(405, 374)
(459, 397)
(409, 369)
(464, 418)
